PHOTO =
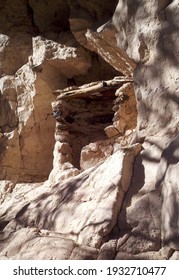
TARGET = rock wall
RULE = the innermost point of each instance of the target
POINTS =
(38, 56)
(149, 36)
(148, 31)
(89, 129)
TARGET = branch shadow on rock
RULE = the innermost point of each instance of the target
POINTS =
(137, 183)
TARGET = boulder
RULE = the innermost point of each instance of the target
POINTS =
(84, 208)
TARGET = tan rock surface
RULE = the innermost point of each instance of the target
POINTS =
(70, 48)
(86, 217)
(97, 37)
(167, 185)
(148, 33)
(152, 255)
(32, 244)
(144, 40)
(175, 256)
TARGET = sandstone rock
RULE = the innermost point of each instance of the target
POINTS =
(6, 188)
(80, 120)
(95, 153)
(153, 255)
(67, 207)
(84, 109)
(142, 195)
(34, 123)
(31, 244)
(8, 103)
(84, 14)
(125, 116)
(101, 39)
(166, 252)
(28, 116)
(101, 44)
(84, 253)
(17, 196)
(141, 210)
(10, 156)
(16, 36)
(156, 78)
(8, 126)
(111, 131)
(167, 182)
(69, 58)
(45, 50)
(43, 66)
(175, 256)
(18, 49)
(108, 250)
(156, 96)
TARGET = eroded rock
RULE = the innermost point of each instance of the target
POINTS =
(167, 185)
(156, 90)
(51, 50)
(86, 217)
(32, 244)
(100, 39)
(151, 40)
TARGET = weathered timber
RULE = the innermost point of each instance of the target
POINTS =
(92, 88)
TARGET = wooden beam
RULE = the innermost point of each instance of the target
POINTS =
(90, 89)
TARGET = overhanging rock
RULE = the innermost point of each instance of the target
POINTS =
(102, 40)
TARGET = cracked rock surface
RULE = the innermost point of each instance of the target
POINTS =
(89, 129)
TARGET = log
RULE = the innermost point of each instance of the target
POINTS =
(89, 89)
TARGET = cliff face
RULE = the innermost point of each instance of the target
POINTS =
(148, 33)
(88, 129)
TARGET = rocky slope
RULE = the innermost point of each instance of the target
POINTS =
(89, 142)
